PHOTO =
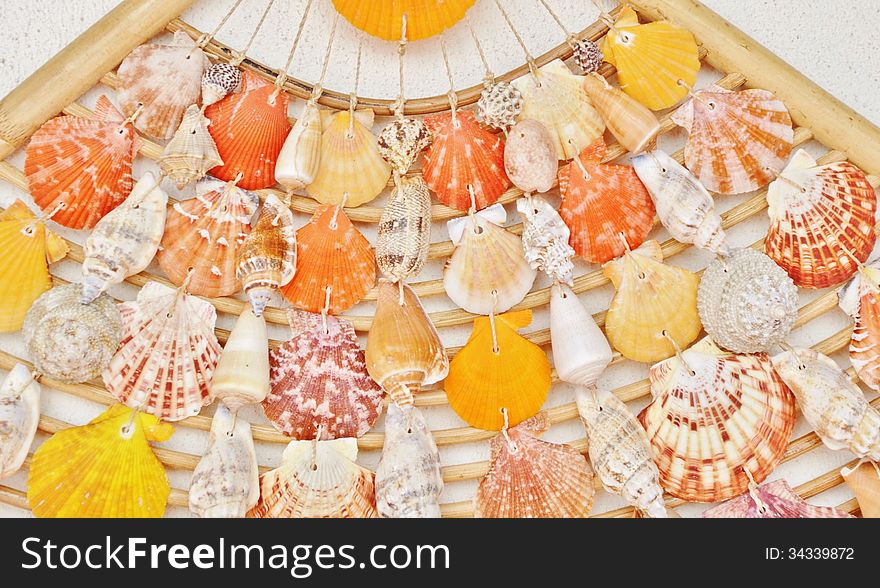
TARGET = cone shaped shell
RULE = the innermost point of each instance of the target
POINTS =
(19, 417)
(530, 156)
(300, 156)
(773, 500)
(105, 469)
(861, 300)
(404, 231)
(242, 374)
(580, 350)
(545, 239)
(632, 124)
(191, 152)
(864, 481)
(382, 18)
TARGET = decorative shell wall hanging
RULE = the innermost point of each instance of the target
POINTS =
(860, 299)
(404, 230)
(773, 500)
(580, 350)
(19, 417)
(191, 152)
(545, 239)
(242, 373)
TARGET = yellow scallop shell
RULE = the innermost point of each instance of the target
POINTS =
(382, 18)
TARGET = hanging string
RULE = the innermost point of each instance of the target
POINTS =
(495, 349)
(318, 88)
(753, 492)
(353, 96)
(333, 225)
(510, 444)
(282, 78)
(533, 67)
(398, 105)
(577, 159)
(570, 37)
(239, 56)
(326, 310)
(204, 39)
(488, 77)
(28, 229)
(453, 97)
(604, 16)
(678, 354)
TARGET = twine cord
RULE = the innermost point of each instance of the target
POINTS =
(753, 492)
(398, 105)
(353, 96)
(239, 56)
(204, 39)
(326, 310)
(533, 67)
(678, 353)
(489, 77)
(570, 37)
(282, 77)
(495, 349)
(577, 160)
(510, 444)
(333, 225)
(318, 88)
(453, 97)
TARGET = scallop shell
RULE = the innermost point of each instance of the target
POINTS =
(683, 205)
(69, 341)
(557, 100)
(634, 126)
(601, 201)
(463, 154)
(530, 157)
(531, 478)
(773, 500)
(620, 452)
(320, 385)
(831, 403)
(545, 239)
(382, 18)
(401, 141)
(163, 79)
(317, 479)
(499, 104)
(860, 299)
(242, 374)
(219, 80)
(27, 248)
(864, 481)
(19, 416)
(483, 381)
(404, 231)
(737, 141)
(715, 414)
(404, 351)
(124, 241)
(580, 350)
(203, 236)
(487, 272)
(266, 259)
(651, 59)
(300, 157)
(79, 169)
(331, 253)
(191, 152)
(249, 129)
(821, 221)
(105, 469)
(352, 172)
(167, 354)
(651, 298)
(225, 482)
(408, 478)
(747, 303)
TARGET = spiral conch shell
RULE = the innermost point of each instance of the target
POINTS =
(831, 403)
(300, 157)
(864, 481)
(545, 239)
(242, 374)
(124, 241)
(580, 350)
(19, 416)
(191, 152)
(225, 482)
(317, 479)
(773, 500)
(404, 231)
(530, 157)
(408, 478)
(860, 299)
(620, 452)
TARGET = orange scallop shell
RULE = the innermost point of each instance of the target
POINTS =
(82, 164)
(597, 208)
(331, 252)
(249, 132)
(463, 153)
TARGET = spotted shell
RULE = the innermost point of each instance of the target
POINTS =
(220, 79)
(401, 141)
(773, 500)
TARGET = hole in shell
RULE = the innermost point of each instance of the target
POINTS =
(642, 275)
(478, 230)
(314, 467)
(409, 431)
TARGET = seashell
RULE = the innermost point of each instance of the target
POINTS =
(162, 80)
(831, 403)
(633, 125)
(683, 205)
(79, 169)
(864, 481)
(713, 416)
(737, 141)
(317, 479)
(464, 156)
(225, 482)
(487, 272)
(69, 341)
(249, 129)
(167, 354)
(408, 478)
(333, 254)
(401, 141)
(557, 100)
(203, 236)
(860, 299)
(404, 351)
(821, 221)
(220, 79)
(498, 371)
(320, 385)
(601, 201)
(620, 452)
(545, 239)
(125, 240)
(352, 172)
(27, 248)
(104, 469)
(499, 104)
(653, 300)
(652, 59)
(773, 500)
(531, 478)
(191, 152)
(19, 416)
(530, 157)
(404, 230)
(580, 350)
(746, 302)
(382, 18)
(300, 157)
(587, 56)
(242, 374)
(266, 259)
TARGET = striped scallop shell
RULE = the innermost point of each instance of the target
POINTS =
(19, 417)
(860, 299)
(821, 221)
(191, 152)
(404, 231)
(534, 478)
(715, 414)
(773, 500)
